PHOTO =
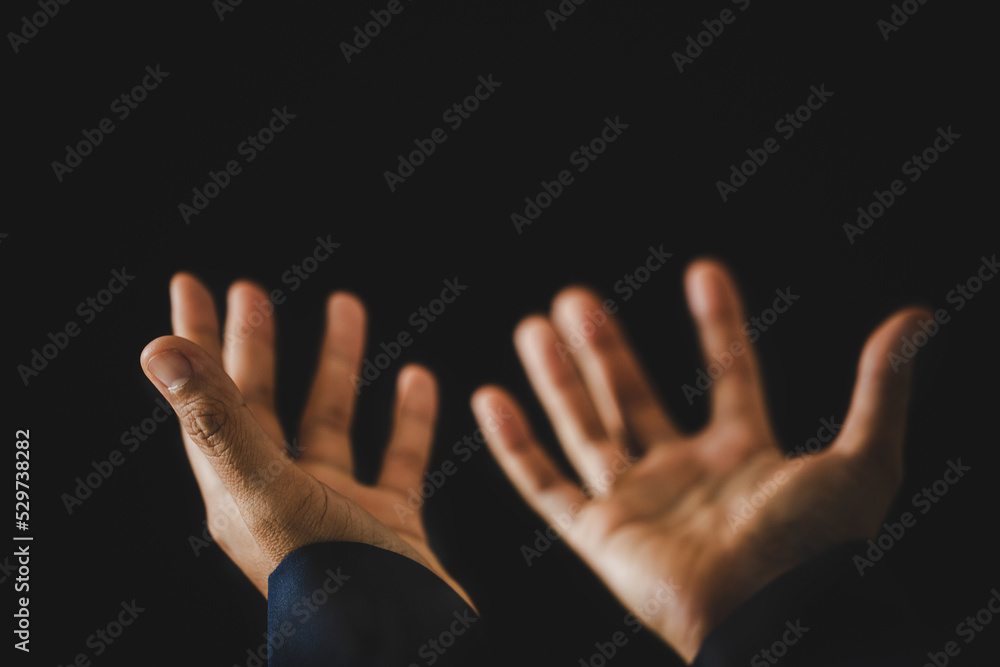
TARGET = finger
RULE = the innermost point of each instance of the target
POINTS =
(530, 469)
(565, 399)
(618, 387)
(272, 494)
(409, 447)
(326, 423)
(193, 314)
(737, 392)
(876, 419)
(248, 353)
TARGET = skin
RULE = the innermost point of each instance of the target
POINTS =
(662, 530)
(654, 518)
(261, 503)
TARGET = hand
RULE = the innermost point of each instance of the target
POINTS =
(661, 503)
(262, 504)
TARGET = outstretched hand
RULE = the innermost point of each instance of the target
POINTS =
(657, 505)
(261, 503)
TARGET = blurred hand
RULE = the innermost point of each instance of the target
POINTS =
(261, 503)
(658, 505)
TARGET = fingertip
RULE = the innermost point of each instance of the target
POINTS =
(495, 410)
(530, 330)
(483, 397)
(198, 356)
(164, 360)
(345, 326)
(346, 316)
(156, 346)
(697, 287)
(191, 303)
(876, 420)
(180, 278)
(417, 380)
(707, 262)
(184, 281)
(906, 317)
(171, 368)
(249, 308)
(184, 276)
(246, 287)
(572, 300)
(701, 266)
(891, 338)
(708, 285)
(344, 304)
(910, 318)
(419, 374)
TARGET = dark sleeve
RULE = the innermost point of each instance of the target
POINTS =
(837, 609)
(344, 604)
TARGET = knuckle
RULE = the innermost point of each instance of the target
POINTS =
(336, 415)
(605, 339)
(741, 435)
(209, 422)
(406, 458)
(259, 394)
(742, 370)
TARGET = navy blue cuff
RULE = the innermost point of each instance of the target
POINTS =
(823, 613)
(355, 605)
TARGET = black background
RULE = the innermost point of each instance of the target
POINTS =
(324, 176)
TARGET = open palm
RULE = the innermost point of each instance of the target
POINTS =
(262, 503)
(685, 527)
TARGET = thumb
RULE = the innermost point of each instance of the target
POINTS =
(876, 420)
(267, 487)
